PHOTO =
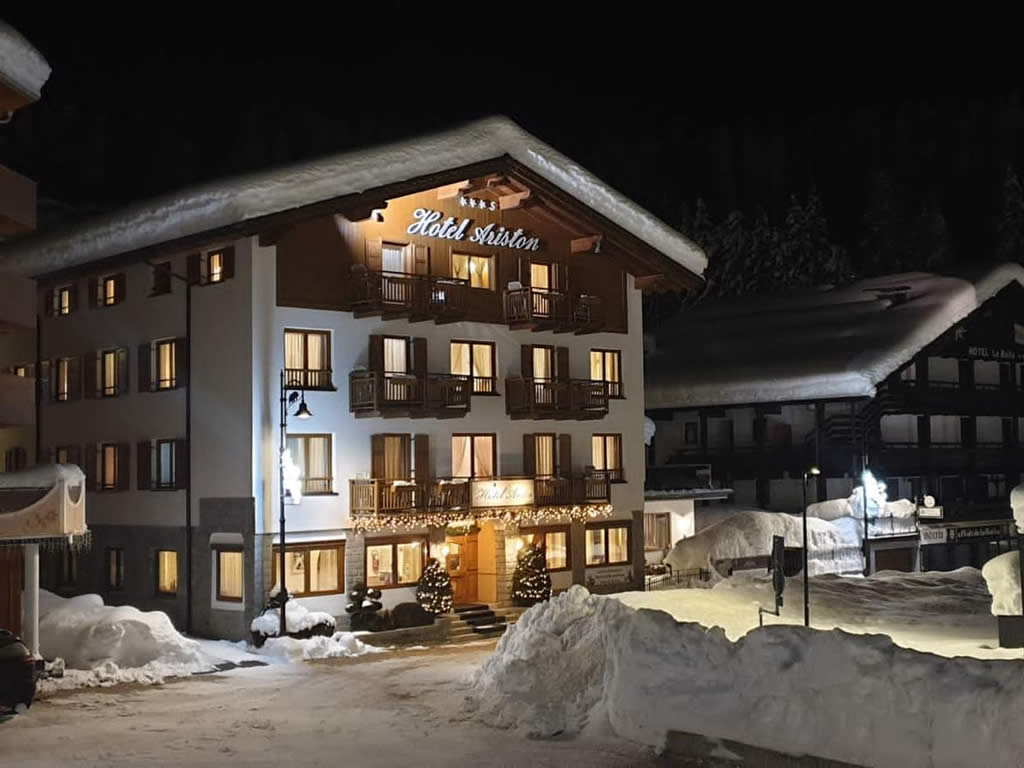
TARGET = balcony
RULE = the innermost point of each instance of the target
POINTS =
(951, 398)
(545, 309)
(375, 497)
(580, 399)
(416, 297)
(309, 379)
(416, 395)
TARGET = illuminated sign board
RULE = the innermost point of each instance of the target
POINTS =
(430, 223)
(502, 493)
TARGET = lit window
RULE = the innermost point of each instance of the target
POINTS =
(396, 259)
(607, 544)
(230, 570)
(163, 458)
(474, 269)
(555, 542)
(107, 468)
(595, 547)
(115, 568)
(312, 455)
(395, 563)
(63, 301)
(108, 373)
(607, 455)
(474, 359)
(63, 379)
(605, 365)
(656, 531)
(544, 455)
(473, 456)
(108, 290)
(313, 569)
(215, 267)
(62, 455)
(20, 370)
(165, 365)
(166, 571)
(307, 359)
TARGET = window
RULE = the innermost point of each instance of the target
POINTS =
(544, 455)
(394, 562)
(474, 456)
(62, 454)
(14, 459)
(607, 455)
(396, 354)
(166, 571)
(608, 543)
(163, 459)
(690, 433)
(396, 258)
(162, 465)
(606, 365)
(166, 374)
(21, 370)
(230, 573)
(307, 359)
(476, 359)
(540, 276)
(312, 455)
(65, 375)
(115, 568)
(392, 456)
(543, 362)
(107, 469)
(108, 290)
(107, 373)
(312, 569)
(555, 542)
(475, 269)
(161, 278)
(63, 300)
(211, 267)
(215, 267)
(656, 532)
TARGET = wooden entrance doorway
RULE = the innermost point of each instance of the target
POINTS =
(462, 564)
(11, 575)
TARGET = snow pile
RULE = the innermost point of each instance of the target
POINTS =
(1017, 505)
(105, 644)
(20, 63)
(1002, 575)
(297, 619)
(749, 534)
(580, 657)
(288, 649)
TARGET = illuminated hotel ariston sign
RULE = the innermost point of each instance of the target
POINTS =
(502, 493)
(429, 223)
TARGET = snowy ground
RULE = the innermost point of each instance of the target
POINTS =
(398, 708)
(944, 613)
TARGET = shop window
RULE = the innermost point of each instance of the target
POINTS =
(606, 365)
(312, 569)
(608, 544)
(476, 359)
(166, 571)
(555, 542)
(476, 270)
(115, 568)
(395, 562)
(230, 573)
(656, 532)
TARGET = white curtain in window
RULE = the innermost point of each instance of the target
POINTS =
(483, 362)
(395, 355)
(618, 545)
(545, 454)
(596, 365)
(230, 565)
(542, 363)
(597, 452)
(611, 366)
(316, 351)
(462, 457)
(540, 276)
(318, 464)
(165, 364)
(611, 452)
(410, 562)
(393, 258)
(480, 272)
(167, 571)
(557, 550)
(595, 546)
(483, 456)
(460, 358)
(323, 570)
(109, 372)
(295, 577)
(294, 349)
(460, 266)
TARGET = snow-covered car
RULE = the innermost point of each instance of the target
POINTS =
(19, 670)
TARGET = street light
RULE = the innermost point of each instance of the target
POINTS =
(302, 412)
(812, 472)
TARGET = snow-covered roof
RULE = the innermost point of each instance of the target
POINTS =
(231, 201)
(21, 65)
(827, 343)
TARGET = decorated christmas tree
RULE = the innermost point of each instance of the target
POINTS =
(434, 591)
(531, 582)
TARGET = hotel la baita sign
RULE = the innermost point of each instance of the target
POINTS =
(502, 493)
(430, 223)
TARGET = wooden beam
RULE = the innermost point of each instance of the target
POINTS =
(449, 191)
(588, 244)
(649, 282)
(513, 200)
(363, 209)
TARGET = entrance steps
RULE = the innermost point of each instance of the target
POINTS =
(472, 621)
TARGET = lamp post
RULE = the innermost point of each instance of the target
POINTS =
(812, 472)
(289, 394)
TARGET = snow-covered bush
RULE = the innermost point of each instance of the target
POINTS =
(299, 623)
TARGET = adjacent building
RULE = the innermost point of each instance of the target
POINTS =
(917, 377)
(459, 316)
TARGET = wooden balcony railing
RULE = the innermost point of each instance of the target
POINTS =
(556, 398)
(317, 485)
(306, 378)
(377, 392)
(543, 307)
(398, 292)
(387, 497)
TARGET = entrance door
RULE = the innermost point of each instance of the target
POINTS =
(462, 567)
(894, 559)
(11, 572)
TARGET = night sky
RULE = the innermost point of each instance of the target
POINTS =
(143, 102)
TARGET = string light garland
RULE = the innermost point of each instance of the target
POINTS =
(531, 582)
(398, 521)
(434, 591)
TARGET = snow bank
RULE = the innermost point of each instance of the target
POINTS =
(20, 63)
(846, 697)
(749, 533)
(340, 644)
(105, 644)
(297, 619)
(1017, 505)
(1002, 575)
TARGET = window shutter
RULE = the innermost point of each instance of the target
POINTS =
(193, 269)
(421, 259)
(93, 292)
(527, 358)
(419, 355)
(180, 362)
(376, 352)
(405, 472)
(92, 475)
(421, 463)
(373, 255)
(562, 363)
(180, 464)
(377, 456)
(524, 272)
(92, 386)
(48, 303)
(122, 372)
(530, 455)
(144, 458)
(124, 470)
(44, 380)
(228, 268)
(75, 454)
(563, 467)
(145, 361)
(75, 378)
(73, 296)
(120, 287)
